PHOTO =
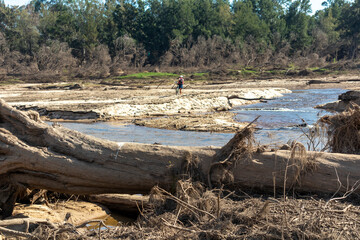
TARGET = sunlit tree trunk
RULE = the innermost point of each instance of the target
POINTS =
(36, 155)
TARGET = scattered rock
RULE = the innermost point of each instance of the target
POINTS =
(349, 96)
(299, 125)
(261, 149)
(75, 86)
(343, 103)
(320, 82)
(285, 147)
(305, 72)
(222, 108)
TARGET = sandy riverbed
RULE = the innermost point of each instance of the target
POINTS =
(206, 108)
(201, 107)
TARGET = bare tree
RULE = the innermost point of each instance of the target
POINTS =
(20, 64)
(3, 51)
(55, 58)
(99, 62)
(3, 44)
(210, 52)
(128, 54)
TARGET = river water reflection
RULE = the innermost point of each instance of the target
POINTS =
(131, 133)
(280, 118)
(278, 121)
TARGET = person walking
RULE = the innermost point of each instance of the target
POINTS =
(180, 83)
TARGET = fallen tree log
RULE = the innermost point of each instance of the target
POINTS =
(36, 155)
(323, 173)
(121, 202)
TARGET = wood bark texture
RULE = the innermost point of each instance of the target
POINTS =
(36, 155)
(122, 202)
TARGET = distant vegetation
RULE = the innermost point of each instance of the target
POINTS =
(96, 39)
(144, 75)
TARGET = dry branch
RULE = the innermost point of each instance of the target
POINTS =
(121, 202)
(19, 221)
(343, 130)
(9, 232)
(184, 204)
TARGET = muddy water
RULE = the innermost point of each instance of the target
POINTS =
(278, 123)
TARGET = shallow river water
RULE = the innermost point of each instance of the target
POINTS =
(277, 123)
(280, 118)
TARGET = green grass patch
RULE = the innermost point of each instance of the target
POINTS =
(197, 77)
(314, 69)
(248, 72)
(320, 70)
(200, 74)
(292, 66)
(145, 75)
(11, 81)
(276, 72)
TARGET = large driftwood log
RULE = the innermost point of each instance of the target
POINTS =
(122, 202)
(36, 155)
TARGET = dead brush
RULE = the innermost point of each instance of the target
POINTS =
(241, 145)
(248, 218)
(190, 201)
(343, 130)
(298, 164)
(317, 138)
(195, 216)
(190, 168)
(239, 148)
(203, 214)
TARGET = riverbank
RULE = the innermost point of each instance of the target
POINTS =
(207, 107)
(203, 106)
(265, 217)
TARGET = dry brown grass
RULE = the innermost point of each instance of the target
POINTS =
(196, 213)
(193, 211)
(300, 162)
(343, 130)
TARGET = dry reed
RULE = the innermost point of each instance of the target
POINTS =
(196, 213)
(343, 130)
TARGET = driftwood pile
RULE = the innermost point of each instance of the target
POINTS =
(344, 130)
(209, 200)
(194, 212)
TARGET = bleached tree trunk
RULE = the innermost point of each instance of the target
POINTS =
(36, 155)
(321, 172)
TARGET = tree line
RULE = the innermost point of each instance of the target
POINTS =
(92, 37)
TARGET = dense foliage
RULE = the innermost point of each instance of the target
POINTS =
(110, 36)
